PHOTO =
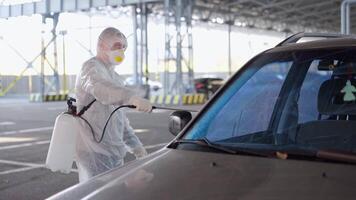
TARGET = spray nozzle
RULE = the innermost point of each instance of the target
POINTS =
(163, 108)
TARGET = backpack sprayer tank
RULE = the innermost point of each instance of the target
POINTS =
(61, 151)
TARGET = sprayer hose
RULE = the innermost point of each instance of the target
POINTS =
(106, 124)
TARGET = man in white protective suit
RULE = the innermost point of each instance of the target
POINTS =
(98, 80)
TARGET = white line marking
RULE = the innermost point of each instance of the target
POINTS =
(161, 111)
(6, 123)
(27, 164)
(30, 166)
(24, 145)
(27, 130)
(5, 139)
(48, 141)
(140, 130)
(17, 170)
(154, 146)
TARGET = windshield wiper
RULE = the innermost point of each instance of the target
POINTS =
(207, 143)
(204, 142)
(281, 152)
(217, 147)
(323, 155)
(336, 156)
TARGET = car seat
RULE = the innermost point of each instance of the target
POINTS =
(336, 124)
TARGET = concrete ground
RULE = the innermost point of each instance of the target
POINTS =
(25, 132)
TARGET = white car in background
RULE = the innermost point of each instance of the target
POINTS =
(154, 85)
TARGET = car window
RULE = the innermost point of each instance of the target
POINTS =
(303, 98)
(252, 104)
(308, 99)
(248, 109)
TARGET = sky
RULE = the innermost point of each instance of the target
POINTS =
(21, 37)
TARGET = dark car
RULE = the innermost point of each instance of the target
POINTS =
(208, 85)
(291, 136)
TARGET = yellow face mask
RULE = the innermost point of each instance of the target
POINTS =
(116, 57)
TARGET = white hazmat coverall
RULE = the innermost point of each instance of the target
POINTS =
(99, 81)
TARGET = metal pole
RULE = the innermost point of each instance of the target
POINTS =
(43, 54)
(30, 90)
(141, 26)
(191, 67)
(190, 46)
(229, 48)
(55, 56)
(343, 20)
(90, 32)
(1, 87)
(141, 46)
(145, 39)
(145, 42)
(179, 88)
(167, 47)
(345, 16)
(135, 50)
(64, 64)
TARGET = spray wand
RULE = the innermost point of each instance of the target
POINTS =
(127, 106)
(172, 109)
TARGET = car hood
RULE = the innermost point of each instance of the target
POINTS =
(181, 174)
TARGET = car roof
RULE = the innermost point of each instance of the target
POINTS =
(317, 44)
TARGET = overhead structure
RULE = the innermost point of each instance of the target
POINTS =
(48, 84)
(54, 85)
(140, 12)
(279, 15)
(346, 16)
(50, 9)
(46, 7)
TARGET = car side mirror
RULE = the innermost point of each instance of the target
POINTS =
(178, 120)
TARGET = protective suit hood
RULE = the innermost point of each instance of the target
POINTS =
(111, 46)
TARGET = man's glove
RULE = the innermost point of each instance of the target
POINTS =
(139, 152)
(141, 104)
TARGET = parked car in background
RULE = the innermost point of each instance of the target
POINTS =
(154, 85)
(208, 85)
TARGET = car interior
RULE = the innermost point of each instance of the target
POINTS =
(336, 124)
(334, 127)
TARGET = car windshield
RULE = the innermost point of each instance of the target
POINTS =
(301, 98)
